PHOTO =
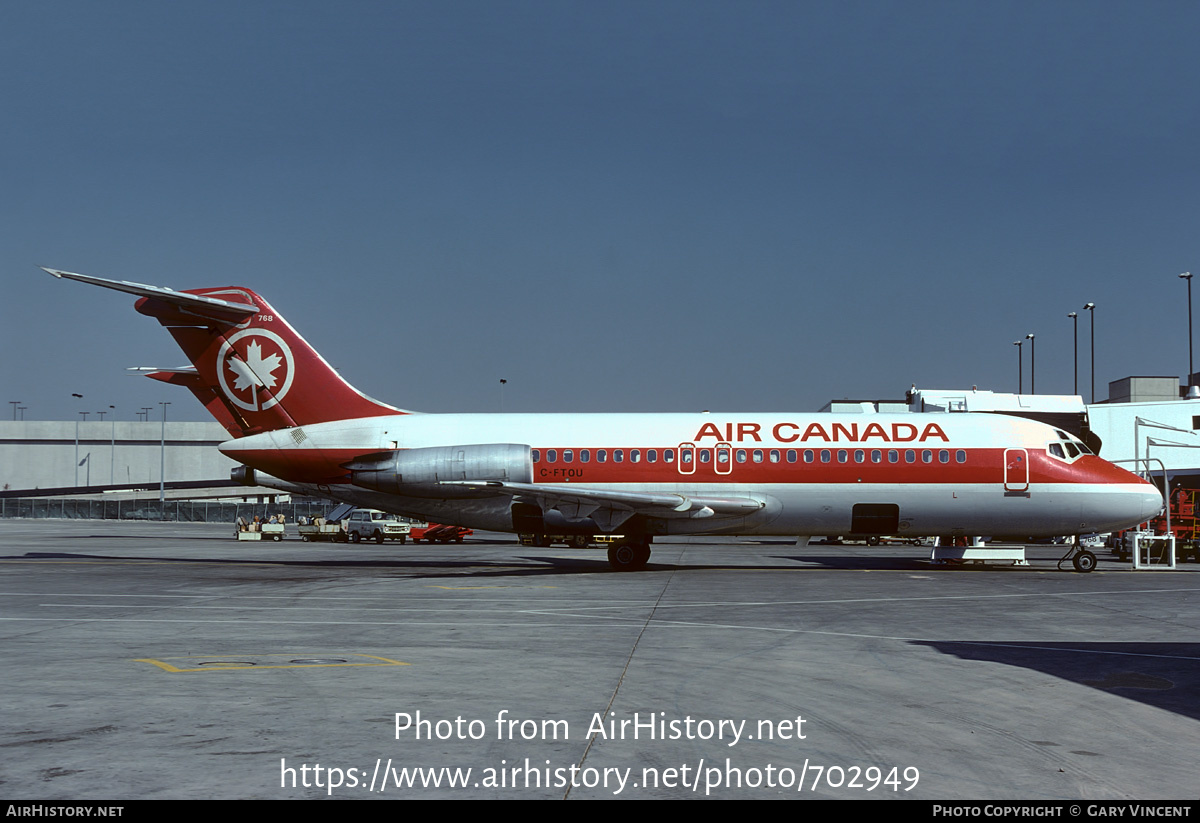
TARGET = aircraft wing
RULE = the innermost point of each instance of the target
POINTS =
(611, 508)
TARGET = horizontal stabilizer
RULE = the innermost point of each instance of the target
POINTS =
(225, 311)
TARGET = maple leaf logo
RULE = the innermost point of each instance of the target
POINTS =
(264, 367)
(255, 370)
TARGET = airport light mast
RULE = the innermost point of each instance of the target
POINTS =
(1187, 275)
(1020, 368)
(1091, 309)
(1075, 334)
(1032, 365)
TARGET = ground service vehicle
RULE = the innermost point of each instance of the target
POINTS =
(372, 524)
(297, 426)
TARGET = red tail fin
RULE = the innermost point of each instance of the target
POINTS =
(257, 366)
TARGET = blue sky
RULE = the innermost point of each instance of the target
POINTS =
(614, 206)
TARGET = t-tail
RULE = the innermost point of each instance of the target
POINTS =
(250, 368)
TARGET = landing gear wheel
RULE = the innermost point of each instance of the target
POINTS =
(1084, 562)
(355, 537)
(628, 557)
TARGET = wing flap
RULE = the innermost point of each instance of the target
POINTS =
(581, 501)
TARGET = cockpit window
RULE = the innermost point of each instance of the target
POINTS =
(1057, 451)
(1071, 449)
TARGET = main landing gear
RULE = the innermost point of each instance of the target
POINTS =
(630, 555)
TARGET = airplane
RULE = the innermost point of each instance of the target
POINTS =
(297, 426)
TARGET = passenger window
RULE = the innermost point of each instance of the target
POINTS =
(618, 456)
(551, 455)
(876, 456)
(651, 455)
(740, 456)
(859, 456)
(773, 455)
(722, 456)
(843, 455)
(568, 456)
(893, 455)
(943, 456)
(601, 455)
(668, 455)
(910, 456)
(825, 454)
(960, 456)
(585, 455)
(535, 455)
(685, 455)
(808, 455)
(705, 456)
(635, 455)
(757, 455)
(791, 456)
(927, 456)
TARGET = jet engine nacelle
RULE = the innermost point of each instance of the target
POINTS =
(417, 472)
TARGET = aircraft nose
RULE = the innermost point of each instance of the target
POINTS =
(1151, 502)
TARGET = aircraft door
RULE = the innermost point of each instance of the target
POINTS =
(1016, 470)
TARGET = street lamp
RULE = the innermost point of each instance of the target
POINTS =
(1032, 365)
(77, 397)
(162, 464)
(112, 455)
(1091, 309)
(14, 404)
(1075, 334)
(1020, 368)
(1187, 275)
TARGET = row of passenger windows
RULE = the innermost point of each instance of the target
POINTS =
(723, 455)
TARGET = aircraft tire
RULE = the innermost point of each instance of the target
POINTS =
(1084, 562)
(628, 557)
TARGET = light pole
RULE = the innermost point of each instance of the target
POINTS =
(1091, 309)
(77, 397)
(14, 404)
(112, 456)
(1075, 334)
(162, 463)
(1020, 368)
(1187, 275)
(1032, 364)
